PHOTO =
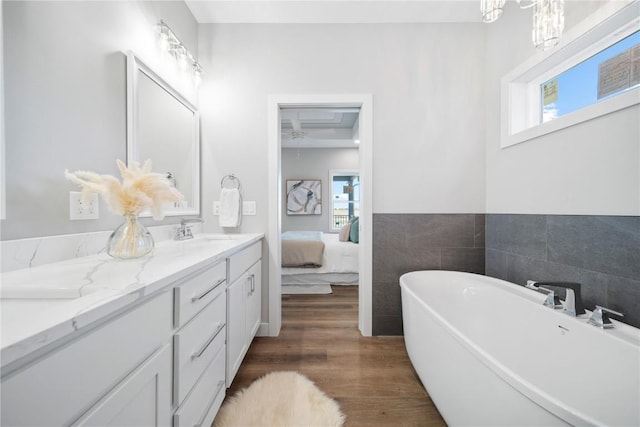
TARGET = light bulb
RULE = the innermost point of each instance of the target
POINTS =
(197, 77)
(164, 37)
(183, 60)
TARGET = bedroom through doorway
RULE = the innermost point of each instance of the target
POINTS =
(277, 194)
(320, 178)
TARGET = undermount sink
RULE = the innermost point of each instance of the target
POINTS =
(205, 241)
(218, 237)
(39, 284)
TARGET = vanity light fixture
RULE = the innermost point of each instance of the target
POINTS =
(169, 42)
(548, 19)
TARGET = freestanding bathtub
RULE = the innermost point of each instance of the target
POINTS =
(489, 353)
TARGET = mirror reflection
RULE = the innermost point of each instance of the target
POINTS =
(163, 127)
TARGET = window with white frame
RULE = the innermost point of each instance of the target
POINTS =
(596, 72)
(608, 73)
(345, 197)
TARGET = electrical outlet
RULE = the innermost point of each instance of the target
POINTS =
(249, 208)
(78, 209)
(216, 208)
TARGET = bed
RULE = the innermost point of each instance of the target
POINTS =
(339, 261)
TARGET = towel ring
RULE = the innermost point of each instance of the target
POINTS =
(231, 178)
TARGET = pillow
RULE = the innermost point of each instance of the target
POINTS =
(354, 232)
(344, 233)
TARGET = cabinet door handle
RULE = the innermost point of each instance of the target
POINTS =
(253, 283)
(205, 293)
(199, 353)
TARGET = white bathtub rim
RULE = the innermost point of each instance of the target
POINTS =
(535, 394)
(627, 334)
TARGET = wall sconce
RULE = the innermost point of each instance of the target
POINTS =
(169, 42)
(548, 19)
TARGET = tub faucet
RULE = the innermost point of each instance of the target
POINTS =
(184, 231)
(552, 300)
(572, 302)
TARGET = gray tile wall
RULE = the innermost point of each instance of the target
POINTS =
(410, 242)
(600, 252)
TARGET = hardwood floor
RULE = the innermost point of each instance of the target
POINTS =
(370, 377)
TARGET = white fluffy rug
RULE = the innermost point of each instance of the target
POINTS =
(283, 399)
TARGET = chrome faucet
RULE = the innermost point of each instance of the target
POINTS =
(184, 231)
(552, 300)
(572, 302)
(600, 317)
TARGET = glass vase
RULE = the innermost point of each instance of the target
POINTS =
(130, 240)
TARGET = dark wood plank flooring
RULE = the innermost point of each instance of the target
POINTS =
(371, 377)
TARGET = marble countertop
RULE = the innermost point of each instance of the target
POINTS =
(43, 304)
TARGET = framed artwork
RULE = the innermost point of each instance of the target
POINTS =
(304, 197)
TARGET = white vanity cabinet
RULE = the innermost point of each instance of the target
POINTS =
(244, 302)
(153, 359)
(199, 346)
(117, 373)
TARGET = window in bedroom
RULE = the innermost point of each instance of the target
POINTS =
(345, 197)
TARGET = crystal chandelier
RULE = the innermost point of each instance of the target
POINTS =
(548, 18)
(491, 9)
(548, 23)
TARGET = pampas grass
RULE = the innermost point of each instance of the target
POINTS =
(140, 189)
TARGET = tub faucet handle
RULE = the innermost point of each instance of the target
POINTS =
(552, 300)
(600, 317)
(573, 301)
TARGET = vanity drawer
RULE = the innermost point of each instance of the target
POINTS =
(198, 291)
(201, 406)
(240, 262)
(197, 344)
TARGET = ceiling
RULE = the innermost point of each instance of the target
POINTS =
(316, 127)
(334, 11)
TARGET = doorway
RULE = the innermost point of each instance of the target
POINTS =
(365, 132)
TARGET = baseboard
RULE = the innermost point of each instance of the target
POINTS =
(263, 330)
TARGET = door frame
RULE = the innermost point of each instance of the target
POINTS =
(275, 103)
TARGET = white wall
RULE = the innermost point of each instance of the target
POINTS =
(314, 163)
(65, 99)
(592, 168)
(2, 158)
(427, 83)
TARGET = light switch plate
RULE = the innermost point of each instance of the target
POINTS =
(249, 208)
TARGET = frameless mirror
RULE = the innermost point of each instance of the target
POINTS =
(164, 127)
